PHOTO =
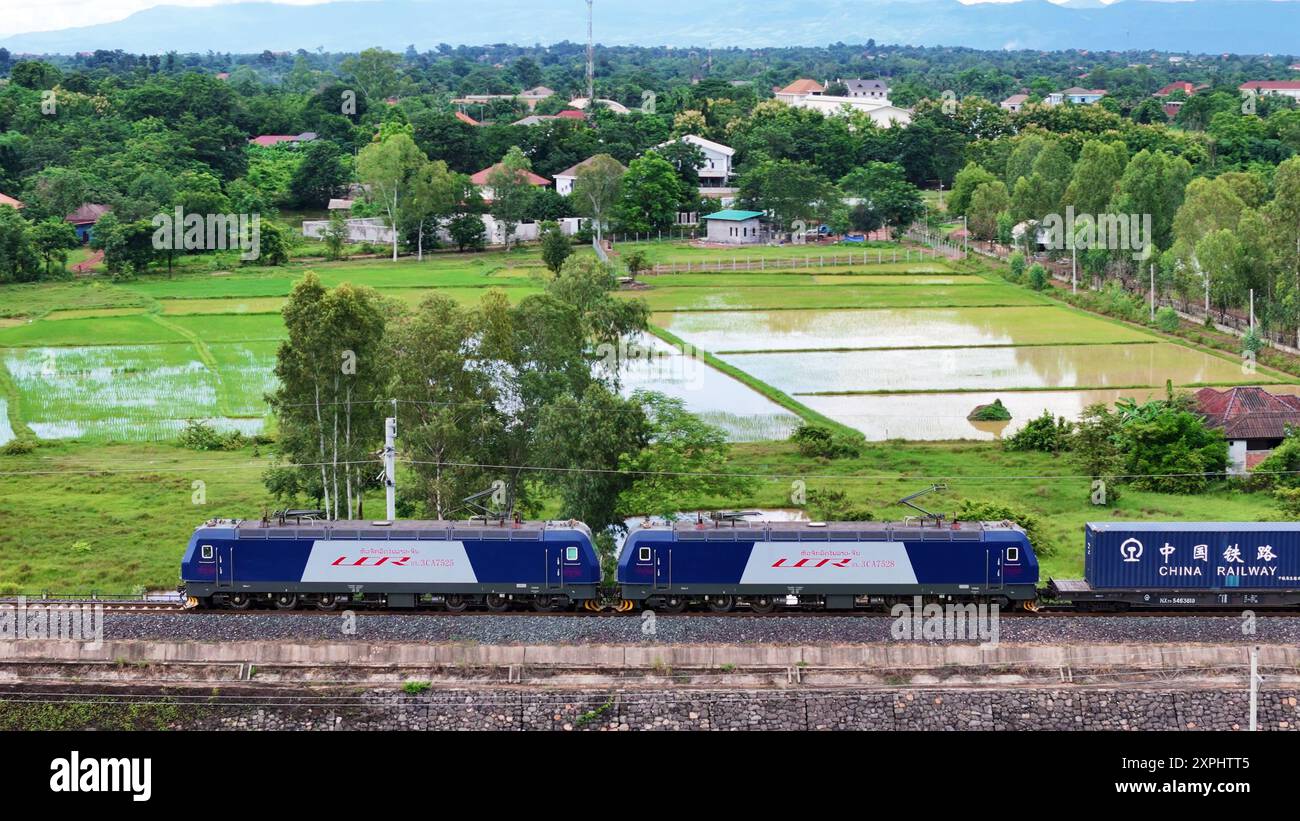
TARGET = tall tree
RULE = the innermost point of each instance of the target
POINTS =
(388, 168)
(596, 189)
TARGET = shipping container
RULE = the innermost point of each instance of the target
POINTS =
(1192, 556)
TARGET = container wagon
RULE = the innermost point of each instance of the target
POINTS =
(1186, 564)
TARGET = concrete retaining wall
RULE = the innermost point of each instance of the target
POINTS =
(515, 709)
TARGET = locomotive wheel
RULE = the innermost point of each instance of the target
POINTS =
(239, 601)
(286, 601)
(497, 602)
(762, 604)
(327, 601)
(722, 604)
(548, 604)
(672, 604)
(456, 603)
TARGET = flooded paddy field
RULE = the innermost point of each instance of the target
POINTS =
(1045, 366)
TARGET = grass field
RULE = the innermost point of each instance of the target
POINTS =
(116, 518)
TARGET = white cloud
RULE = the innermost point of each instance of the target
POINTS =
(21, 16)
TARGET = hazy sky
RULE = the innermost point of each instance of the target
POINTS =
(18, 16)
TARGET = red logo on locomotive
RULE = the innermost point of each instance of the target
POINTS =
(371, 561)
(812, 563)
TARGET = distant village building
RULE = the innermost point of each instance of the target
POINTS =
(870, 97)
(1283, 88)
(480, 178)
(1076, 95)
(11, 202)
(715, 172)
(268, 140)
(734, 227)
(1253, 421)
(1014, 103)
(84, 218)
(531, 97)
(466, 119)
(580, 103)
(538, 119)
(565, 179)
(340, 204)
(1181, 85)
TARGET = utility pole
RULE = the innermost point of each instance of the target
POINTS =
(1074, 269)
(1153, 292)
(1254, 688)
(591, 65)
(1252, 309)
(965, 238)
(390, 465)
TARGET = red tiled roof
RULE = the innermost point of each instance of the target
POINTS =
(572, 114)
(481, 177)
(1248, 413)
(1181, 85)
(10, 201)
(803, 87)
(268, 140)
(465, 118)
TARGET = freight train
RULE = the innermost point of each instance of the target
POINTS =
(759, 567)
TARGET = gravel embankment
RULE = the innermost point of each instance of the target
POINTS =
(703, 629)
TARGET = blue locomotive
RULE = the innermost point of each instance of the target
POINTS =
(457, 565)
(836, 566)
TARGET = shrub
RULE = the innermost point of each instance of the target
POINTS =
(1042, 433)
(199, 435)
(1037, 277)
(822, 442)
(1288, 502)
(995, 411)
(1167, 320)
(18, 447)
(835, 506)
(1016, 261)
(993, 512)
(414, 688)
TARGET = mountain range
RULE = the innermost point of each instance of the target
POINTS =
(1198, 27)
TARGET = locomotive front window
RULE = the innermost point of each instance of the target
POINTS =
(205, 552)
(643, 554)
(570, 554)
(1013, 554)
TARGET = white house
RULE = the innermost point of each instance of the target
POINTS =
(716, 169)
(1284, 88)
(1014, 103)
(734, 227)
(565, 179)
(1076, 95)
(868, 96)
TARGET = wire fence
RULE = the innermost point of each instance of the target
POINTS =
(878, 256)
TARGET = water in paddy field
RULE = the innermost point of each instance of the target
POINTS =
(718, 331)
(650, 363)
(6, 432)
(1064, 366)
(128, 393)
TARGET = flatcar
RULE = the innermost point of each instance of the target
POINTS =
(240, 564)
(1185, 565)
(763, 566)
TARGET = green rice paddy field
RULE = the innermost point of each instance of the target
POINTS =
(104, 375)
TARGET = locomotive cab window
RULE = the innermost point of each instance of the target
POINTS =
(1013, 554)
(571, 554)
(205, 552)
(643, 554)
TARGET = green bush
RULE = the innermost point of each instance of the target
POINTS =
(821, 442)
(995, 411)
(199, 435)
(18, 447)
(1037, 277)
(1016, 272)
(414, 688)
(1044, 433)
(835, 506)
(972, 511)
(1167, 320)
